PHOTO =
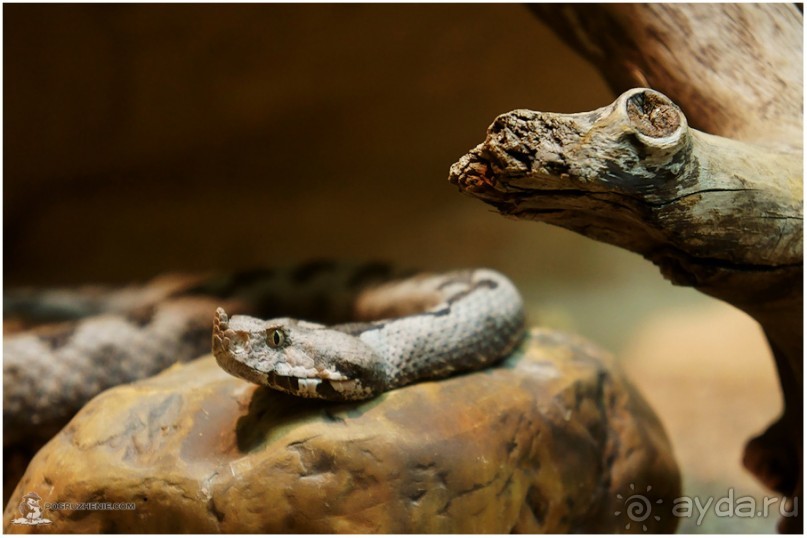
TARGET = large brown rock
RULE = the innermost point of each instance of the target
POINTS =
(553, 440)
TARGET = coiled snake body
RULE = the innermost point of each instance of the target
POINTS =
(447, 323)
(408, 327)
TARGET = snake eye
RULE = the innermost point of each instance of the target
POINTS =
(275, 337)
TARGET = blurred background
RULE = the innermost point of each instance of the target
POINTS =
(141, 139)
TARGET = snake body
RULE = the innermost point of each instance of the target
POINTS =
(406, 327)
(445, 324)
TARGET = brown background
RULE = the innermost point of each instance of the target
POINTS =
(142, 139)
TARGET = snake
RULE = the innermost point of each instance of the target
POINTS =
(351, 332)
(440, 325)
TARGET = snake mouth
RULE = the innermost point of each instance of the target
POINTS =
(324, 389)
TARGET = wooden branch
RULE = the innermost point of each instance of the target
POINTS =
(735, 69)
(723, 215)
(713, 213)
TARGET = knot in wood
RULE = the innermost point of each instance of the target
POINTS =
(653, 114)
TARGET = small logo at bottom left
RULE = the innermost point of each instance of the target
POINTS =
(31, 511)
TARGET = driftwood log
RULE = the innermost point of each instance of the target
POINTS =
(721, 212)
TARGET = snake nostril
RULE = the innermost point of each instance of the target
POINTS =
(237, 340)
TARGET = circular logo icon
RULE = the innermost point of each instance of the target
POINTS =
(637, 507)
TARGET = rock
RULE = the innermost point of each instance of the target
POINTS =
(553, 440)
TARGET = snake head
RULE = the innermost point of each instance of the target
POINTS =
(297, 357)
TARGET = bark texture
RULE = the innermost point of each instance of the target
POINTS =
(722, 212)
(735, 69)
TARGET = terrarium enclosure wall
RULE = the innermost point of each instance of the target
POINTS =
(145, 139)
